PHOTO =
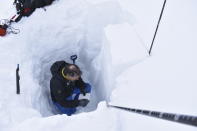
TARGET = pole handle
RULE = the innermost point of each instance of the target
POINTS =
(17, 80)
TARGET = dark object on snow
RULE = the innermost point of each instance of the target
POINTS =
(3, 29)
(27, 7)
(65, 91)
(17, 80)
(184, 119)
(157, 27)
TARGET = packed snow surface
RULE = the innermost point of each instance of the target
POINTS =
(111, 38)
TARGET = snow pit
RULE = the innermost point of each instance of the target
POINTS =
(79, 30)
(42, 76)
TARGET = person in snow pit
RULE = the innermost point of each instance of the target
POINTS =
(67, 86)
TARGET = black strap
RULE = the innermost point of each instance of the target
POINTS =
(6, 25)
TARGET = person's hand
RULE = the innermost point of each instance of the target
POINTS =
(83, 102)
(83, 92)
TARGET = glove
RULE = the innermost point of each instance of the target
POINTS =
(83, 92)
(83, 102)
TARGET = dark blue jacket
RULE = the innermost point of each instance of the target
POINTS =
(61, 89)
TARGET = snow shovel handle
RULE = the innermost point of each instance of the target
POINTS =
(73, 58)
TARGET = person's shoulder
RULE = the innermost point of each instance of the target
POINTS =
(57, 66)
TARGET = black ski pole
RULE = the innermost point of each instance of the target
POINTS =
(184, 119)
(157, 27)
(17, 80)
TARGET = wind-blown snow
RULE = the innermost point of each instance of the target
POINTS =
(111, 39)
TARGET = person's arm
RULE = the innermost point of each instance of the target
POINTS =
(60, 95)
(81, 85)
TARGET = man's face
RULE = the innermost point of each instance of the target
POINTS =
(72, 76)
